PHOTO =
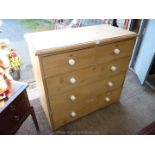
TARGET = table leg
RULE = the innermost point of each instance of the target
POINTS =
(34, 119)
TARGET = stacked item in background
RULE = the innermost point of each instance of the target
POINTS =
(128, 24)
(72, 23)
(5, 78)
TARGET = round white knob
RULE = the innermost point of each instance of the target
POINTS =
(73, 114)
(110, 84)
(107, 99)
(97, 42)
(113, 68)
(117, 51)
(72, 80)
(71, 62)
(72, 98)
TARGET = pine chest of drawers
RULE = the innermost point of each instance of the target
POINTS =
(79, 70)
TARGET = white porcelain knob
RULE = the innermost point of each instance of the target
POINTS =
(117, 51)
(113, 68)
(110, 84)
(73, 114)
(72, 98)
(107, 99)
(72, 80)
(71, 62)
(97, 42)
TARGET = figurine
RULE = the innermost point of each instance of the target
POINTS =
(5, 78)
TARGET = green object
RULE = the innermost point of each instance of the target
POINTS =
(34, 25)
(15, 62)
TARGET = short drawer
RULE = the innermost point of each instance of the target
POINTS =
(12, 115)
(87, 106)
(75, 112)
(20, 105)
(109, 97)
(115, 67)
(62, 63)
(108, 52)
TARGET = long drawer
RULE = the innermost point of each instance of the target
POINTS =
(106, 53)
(62, 63)
(84, 107)
(63, 83)
(69, 81)
(77, 96)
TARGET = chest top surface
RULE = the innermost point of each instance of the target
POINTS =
(54, 41)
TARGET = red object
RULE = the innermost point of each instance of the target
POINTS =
(3, 85)
(126, 23)
(13, 53)
(5, 78)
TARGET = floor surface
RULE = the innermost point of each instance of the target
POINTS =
(135, 110)
(14, 32)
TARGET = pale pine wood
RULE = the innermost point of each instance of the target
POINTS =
(83, 93)
(91, 70)
(120, 64)
(58, 64)
(105, 53)
(60, 84)
(113, 95)
(60, 41)
(90, 105)
(40, 83)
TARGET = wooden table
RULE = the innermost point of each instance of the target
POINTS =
(148, 130)
(16, 109)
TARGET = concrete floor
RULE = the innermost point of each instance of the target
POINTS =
(14, 32)
(135, 110)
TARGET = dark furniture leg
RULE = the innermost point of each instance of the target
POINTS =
(34, 118)
(148, 130)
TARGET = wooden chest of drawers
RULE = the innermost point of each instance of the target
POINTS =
(79, 70)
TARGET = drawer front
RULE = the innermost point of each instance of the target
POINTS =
(78, 97)
(88, 106)
(115, 67)
(62, 63)
(11, 116)
(66, 116)
(106, 53)
(109, 97)
(69, 81)
(86, 91)
(63, 83)
(21, 104)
